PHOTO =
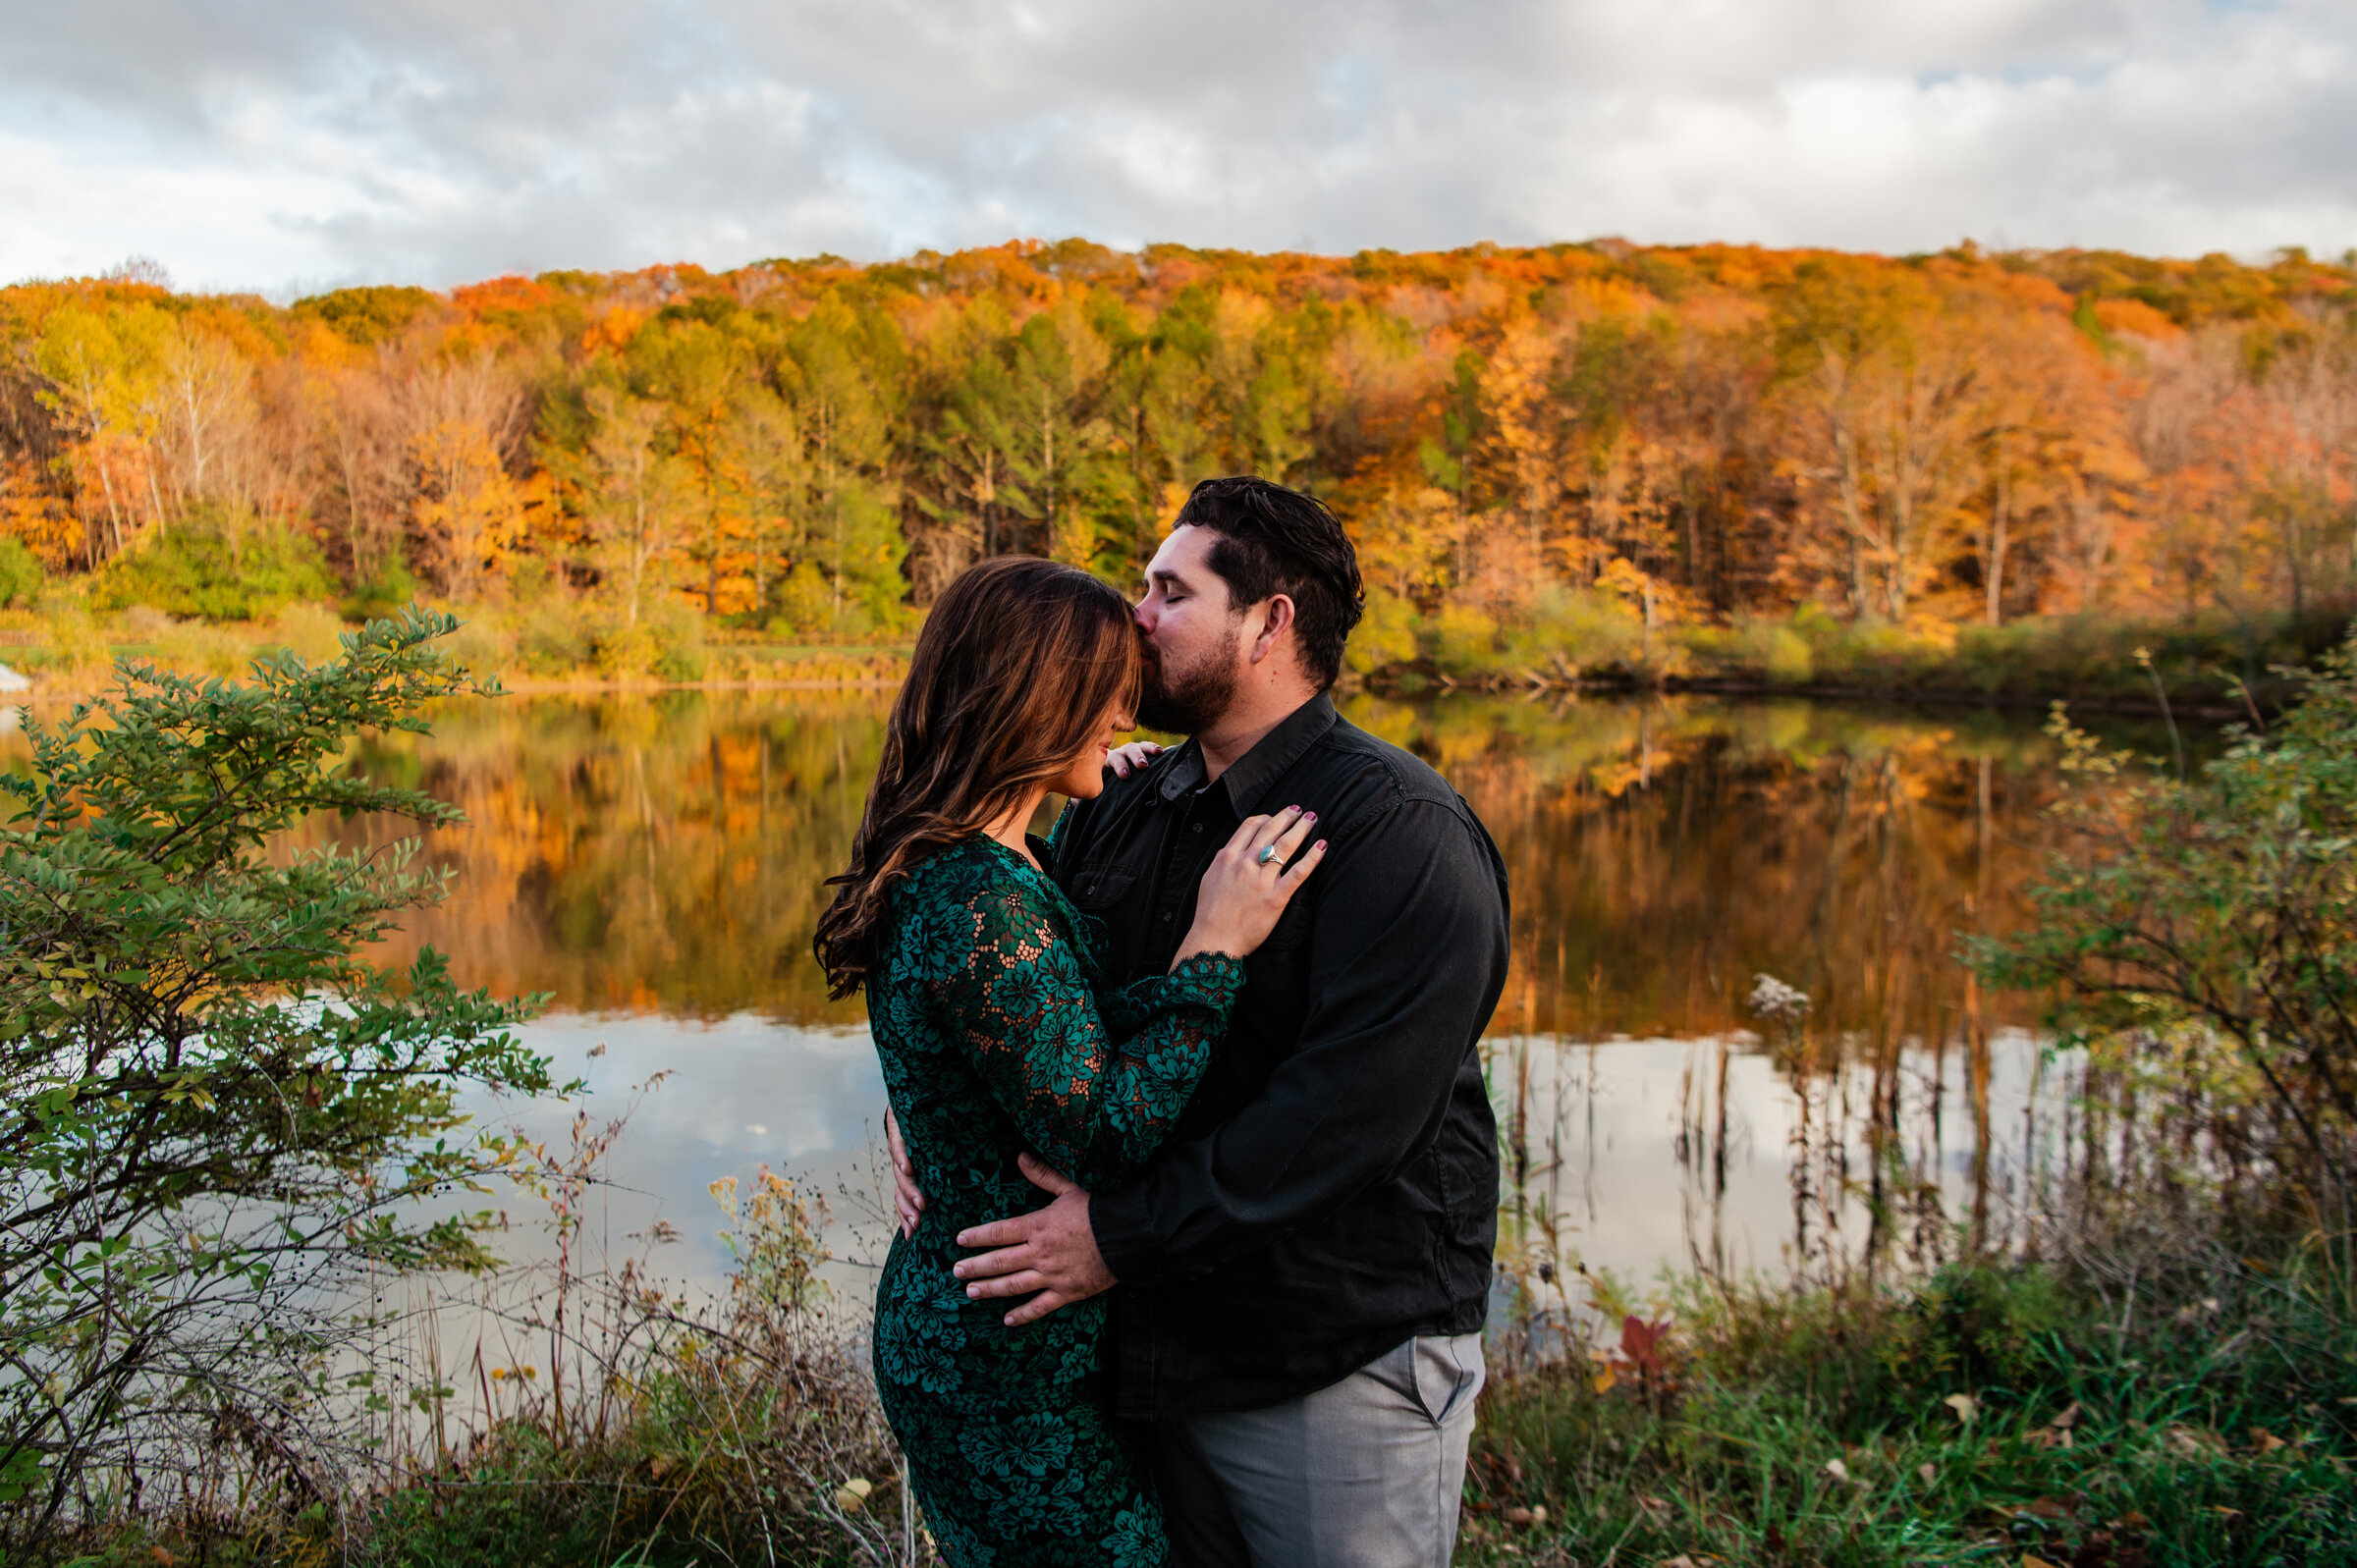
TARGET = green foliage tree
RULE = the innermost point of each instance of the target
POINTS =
(843, 359)
(218, 1115)
(631, 494)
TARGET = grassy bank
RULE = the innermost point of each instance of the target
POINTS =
(2202, 663)
(72, 650)
(2206, 664)
(2187, 1413)
(2201, 1412)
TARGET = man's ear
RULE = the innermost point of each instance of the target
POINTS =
(1277, 622)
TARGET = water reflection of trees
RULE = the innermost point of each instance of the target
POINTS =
(665, 852)
(1664, 853)
(661, 853)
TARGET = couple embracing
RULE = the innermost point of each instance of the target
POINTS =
(1229, 1014)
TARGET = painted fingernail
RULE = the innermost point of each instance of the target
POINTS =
(1309, 816)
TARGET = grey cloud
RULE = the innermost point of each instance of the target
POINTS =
(441, 139)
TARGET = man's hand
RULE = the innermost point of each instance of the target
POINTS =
(1049, 1250)
(906, 1196)
(1128, 758)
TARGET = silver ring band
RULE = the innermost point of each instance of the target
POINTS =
(1268, 852)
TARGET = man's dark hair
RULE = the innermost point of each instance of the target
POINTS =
(1272, 540)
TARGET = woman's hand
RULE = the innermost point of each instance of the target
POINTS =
(906, 1196)
(1251, 880)
(1127, 759)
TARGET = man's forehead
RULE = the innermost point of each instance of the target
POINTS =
(1182, 553)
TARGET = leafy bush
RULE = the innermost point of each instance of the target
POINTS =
(218, 564)
(21, 574)
(392, 589)
(662, 645)
(2206, 927)
(216, 1113)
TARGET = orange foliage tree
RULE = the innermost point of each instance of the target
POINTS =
(1602, 430)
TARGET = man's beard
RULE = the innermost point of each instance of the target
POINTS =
(1194, 701)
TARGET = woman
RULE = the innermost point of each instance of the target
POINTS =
(999, 1034)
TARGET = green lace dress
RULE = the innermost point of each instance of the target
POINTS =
(998, 1035)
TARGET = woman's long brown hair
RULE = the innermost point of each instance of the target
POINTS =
(1018, 665)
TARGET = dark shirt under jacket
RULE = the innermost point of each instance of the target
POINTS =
(1333, 1188)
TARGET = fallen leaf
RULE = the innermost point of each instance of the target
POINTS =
(2067, 1420)
(2030, 1560)
(1964, 1405)
(2193, 1443)
(2224, 1511)
(2265, 1441)
(1604, 1380)
(1519, 1515)
(1929, 1473)
(1837, 1469)
(1679, 1561)
(1659, 1507)
(852, 1494)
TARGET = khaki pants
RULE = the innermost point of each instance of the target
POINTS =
(1366, 1474)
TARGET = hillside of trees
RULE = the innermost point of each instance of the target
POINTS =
(1553, 458)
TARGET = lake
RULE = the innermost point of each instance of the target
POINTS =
(653, 864)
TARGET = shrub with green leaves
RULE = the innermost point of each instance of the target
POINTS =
(218, 1114)
(21, 574)
(218, 564)
(2202, 942)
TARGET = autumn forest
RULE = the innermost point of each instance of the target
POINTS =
(1554, 460)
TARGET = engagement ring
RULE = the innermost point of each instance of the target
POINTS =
(1268, 853)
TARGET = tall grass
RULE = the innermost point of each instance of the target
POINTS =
(595, 1414)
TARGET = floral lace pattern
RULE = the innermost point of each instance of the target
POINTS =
(996, 1035)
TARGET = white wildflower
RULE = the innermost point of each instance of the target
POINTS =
(1773, 1000)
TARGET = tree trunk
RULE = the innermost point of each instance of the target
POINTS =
(1999, 518)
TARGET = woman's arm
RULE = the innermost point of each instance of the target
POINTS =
(1094, 1100)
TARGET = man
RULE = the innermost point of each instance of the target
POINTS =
(1304, 1272)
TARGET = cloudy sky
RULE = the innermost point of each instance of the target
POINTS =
(292, 145)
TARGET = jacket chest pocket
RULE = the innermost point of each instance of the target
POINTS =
(1293, 928)
(1101, 887)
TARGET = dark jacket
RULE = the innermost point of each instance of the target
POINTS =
(1332, 1189)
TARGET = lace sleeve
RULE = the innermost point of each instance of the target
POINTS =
(1095, 1098)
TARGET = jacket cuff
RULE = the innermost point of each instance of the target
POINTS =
(1119, 1221)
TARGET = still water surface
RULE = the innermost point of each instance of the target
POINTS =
(653, 863)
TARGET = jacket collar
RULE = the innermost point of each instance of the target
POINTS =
(1256, 769)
